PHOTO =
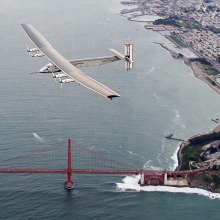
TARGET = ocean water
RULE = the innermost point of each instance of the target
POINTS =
(159, 96)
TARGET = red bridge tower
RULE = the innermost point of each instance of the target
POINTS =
(69, 184)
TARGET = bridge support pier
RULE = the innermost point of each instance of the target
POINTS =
(142, 180)
(165, 178)
(69, 184)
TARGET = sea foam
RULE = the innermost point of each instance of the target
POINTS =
(38, 137)
(131, 183)
(175, 159)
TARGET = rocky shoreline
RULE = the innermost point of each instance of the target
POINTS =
(210, 179)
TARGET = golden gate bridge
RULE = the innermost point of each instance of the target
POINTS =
(81, 160)
(56, 160)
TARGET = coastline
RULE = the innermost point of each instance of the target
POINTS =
(195, 69)
(187, 141)
(208, 179)
(203, 76)
(197, 72)
(198, 181)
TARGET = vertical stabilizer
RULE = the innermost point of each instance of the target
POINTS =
(129, 56)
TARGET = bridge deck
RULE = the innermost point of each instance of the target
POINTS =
(73, 171)
(99, 171)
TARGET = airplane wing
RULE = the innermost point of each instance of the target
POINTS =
(58, 60)
(93, 61)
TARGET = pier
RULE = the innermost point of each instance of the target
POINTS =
(170, 136)
(215, 120)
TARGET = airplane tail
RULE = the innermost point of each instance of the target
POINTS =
(127, 57)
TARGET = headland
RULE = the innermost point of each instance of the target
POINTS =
(199, 152)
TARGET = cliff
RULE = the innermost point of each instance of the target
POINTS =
(199, 151)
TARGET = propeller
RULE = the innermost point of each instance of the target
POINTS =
(61, 83)
(55, 78)
(28, 50)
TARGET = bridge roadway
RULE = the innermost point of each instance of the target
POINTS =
(147, 177)
(73, 171)
(100, 171)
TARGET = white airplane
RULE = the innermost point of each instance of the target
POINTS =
(70, 68)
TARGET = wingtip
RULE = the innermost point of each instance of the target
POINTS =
(22, 25)
(112, 96)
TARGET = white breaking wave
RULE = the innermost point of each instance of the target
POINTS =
(177, 115)
(178, 118)
(151, 70)
(175, 159)
(38, 137)
(132, 153)
(131, 183)
(148, 166)
(159, 159)
(156, 96)
(39, 16)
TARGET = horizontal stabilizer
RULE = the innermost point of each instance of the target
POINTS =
(127, 58)
(117, 54)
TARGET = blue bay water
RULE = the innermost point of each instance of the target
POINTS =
(159, 96)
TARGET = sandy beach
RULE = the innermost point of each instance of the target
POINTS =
(203, 76)
(196, 71)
